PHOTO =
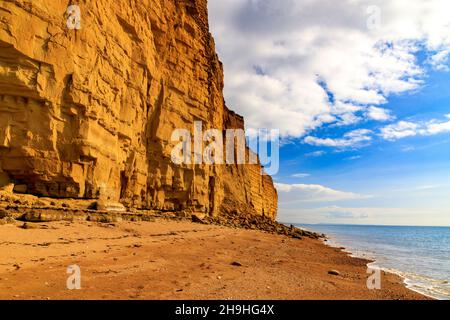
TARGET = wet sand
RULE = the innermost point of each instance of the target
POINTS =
(178, 260)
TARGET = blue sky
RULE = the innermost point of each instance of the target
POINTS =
(411, 173)
(364, 112)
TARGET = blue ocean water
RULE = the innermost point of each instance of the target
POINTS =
(421, 255)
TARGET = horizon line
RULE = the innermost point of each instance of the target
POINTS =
(364, 225)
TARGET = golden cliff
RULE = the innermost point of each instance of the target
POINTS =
(89, 113)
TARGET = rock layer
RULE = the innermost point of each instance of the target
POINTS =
(89, 113)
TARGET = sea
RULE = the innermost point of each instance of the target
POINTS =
(420, 255)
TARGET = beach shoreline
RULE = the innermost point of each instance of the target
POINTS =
(415, 282)
(167, 259)
(372, 263)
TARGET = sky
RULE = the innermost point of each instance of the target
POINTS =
(360, 91)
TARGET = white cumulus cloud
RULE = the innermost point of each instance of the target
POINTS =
(355, 138)
(403, 129)
(297, 65)
(379, 114)
(289, 193)
(399, 130)
(301, 175)
(440, 60)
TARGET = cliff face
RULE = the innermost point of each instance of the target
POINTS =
(89, 113)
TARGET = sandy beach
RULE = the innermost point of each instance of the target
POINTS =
(168, 259)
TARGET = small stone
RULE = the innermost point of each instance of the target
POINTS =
(236, 264)
(28, 226)
(20, 188)
(7, 220)
(110, 206)
(197, 219)
(334, 272)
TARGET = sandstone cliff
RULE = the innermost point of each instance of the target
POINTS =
(89, 113)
